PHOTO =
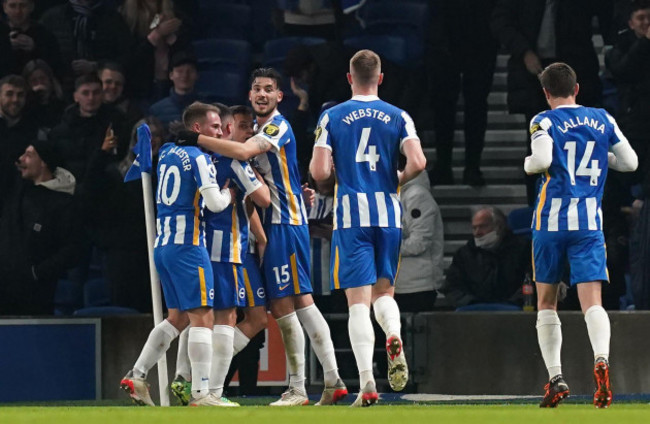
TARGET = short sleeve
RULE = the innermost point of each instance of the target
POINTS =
(616, 135)
(244, 176)
(204, 171)
(322, 133)
(539, 126)
(276, 132)
(408, 129)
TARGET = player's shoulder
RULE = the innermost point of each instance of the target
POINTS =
(276, 126)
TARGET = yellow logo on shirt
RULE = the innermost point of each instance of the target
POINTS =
(272, 130)
(534, 129)
(318, 132)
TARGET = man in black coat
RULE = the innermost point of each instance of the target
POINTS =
(39, 233)
(537, 33)
(491, 267)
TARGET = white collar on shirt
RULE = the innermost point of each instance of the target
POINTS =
(569, 106)
(362, 98)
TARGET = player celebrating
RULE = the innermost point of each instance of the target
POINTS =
(286, 261)
(186, 180)
(573, 146)
(364, 136)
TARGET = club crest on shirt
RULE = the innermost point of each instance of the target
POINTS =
(272, 130)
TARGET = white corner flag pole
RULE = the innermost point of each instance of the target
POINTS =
(156, 298)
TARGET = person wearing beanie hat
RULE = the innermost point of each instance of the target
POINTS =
(40, 236)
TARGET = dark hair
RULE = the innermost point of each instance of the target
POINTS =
(365, 66)
(15, 80)
(197, 111)
(267, 73)
(86, 79)
(559, 79)
(111, 66)
(224, 111)
(241, 110)
(635, 5)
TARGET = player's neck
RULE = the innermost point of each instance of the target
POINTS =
(365, 91)
(261, 120)
(555, 102)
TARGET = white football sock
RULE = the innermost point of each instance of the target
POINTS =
(362, 339)
(549, 337)
(599, 330)
(294, 345)
(240, 341)
(387, 315)
(182, 359)
(155, 347)
(321, 341)
(199, 349)
(222, 340)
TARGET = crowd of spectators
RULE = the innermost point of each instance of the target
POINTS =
(77, 76)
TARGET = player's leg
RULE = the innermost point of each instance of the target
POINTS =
(181, 387)
(548, 262)
(588, 270)
(320, 338)
(352, 266)
(199, 349)
(254, 304)
(387, 244)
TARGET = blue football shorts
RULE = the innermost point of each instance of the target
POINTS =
(360, 256)
(584, 250)
(252, 292)
(185, 275)
(286, 260)
(228, 278)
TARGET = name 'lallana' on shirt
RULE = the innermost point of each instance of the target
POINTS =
(366, 113)
(581, 121)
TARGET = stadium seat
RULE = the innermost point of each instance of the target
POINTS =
(275, 51)
(225, 87)
(102, 311)
(229, 20)
(223, 55)
(519, 220)
(96, 293)
(67, 297)
(388, 47)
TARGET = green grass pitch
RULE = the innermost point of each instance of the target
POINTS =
(626, 413)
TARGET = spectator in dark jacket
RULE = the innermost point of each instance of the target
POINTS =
(39, 233)
(46, 94)
(85, 125)
(30, 40)
(491, 267)
(537, 33)
(87, 32)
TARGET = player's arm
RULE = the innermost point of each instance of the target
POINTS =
(415, 160)
(216, 199)
(256, 227)
(261, 196)
(541, 145)
(241, 151)
(320, 166)
(622, 157)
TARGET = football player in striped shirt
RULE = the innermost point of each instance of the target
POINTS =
(286, 261)
(365, 136)
(186, 182)
(573, 146)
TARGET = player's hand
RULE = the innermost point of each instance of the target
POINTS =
(261, 248)
(533, 65)
(21, 41)
(186, 138)
(301, 94)
(308, 195)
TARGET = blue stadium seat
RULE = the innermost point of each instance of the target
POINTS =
(96, 293)
(68, 297)
(519, 220)
(102, 311)
(223, 55)
(275, 51)
(388, 47)
(225, 87)
(229, 20)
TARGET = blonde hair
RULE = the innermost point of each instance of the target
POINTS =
(138, 16)
(365, 67)
(197, 111)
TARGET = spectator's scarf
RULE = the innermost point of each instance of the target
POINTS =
(81, 33)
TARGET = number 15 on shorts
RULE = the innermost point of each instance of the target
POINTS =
(282, 276)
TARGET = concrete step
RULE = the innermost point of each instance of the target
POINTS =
(492, 156)
(499, 117)
(497, 100)
(518, 136)
(464, 212)
(495, 174)
(451, 246)
(487, 195)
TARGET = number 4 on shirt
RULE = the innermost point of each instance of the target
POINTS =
(371, 157)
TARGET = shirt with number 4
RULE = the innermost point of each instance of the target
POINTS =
(365, 135)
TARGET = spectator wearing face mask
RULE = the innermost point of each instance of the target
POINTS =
(491, 267)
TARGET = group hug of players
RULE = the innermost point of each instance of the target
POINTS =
(206, 205)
